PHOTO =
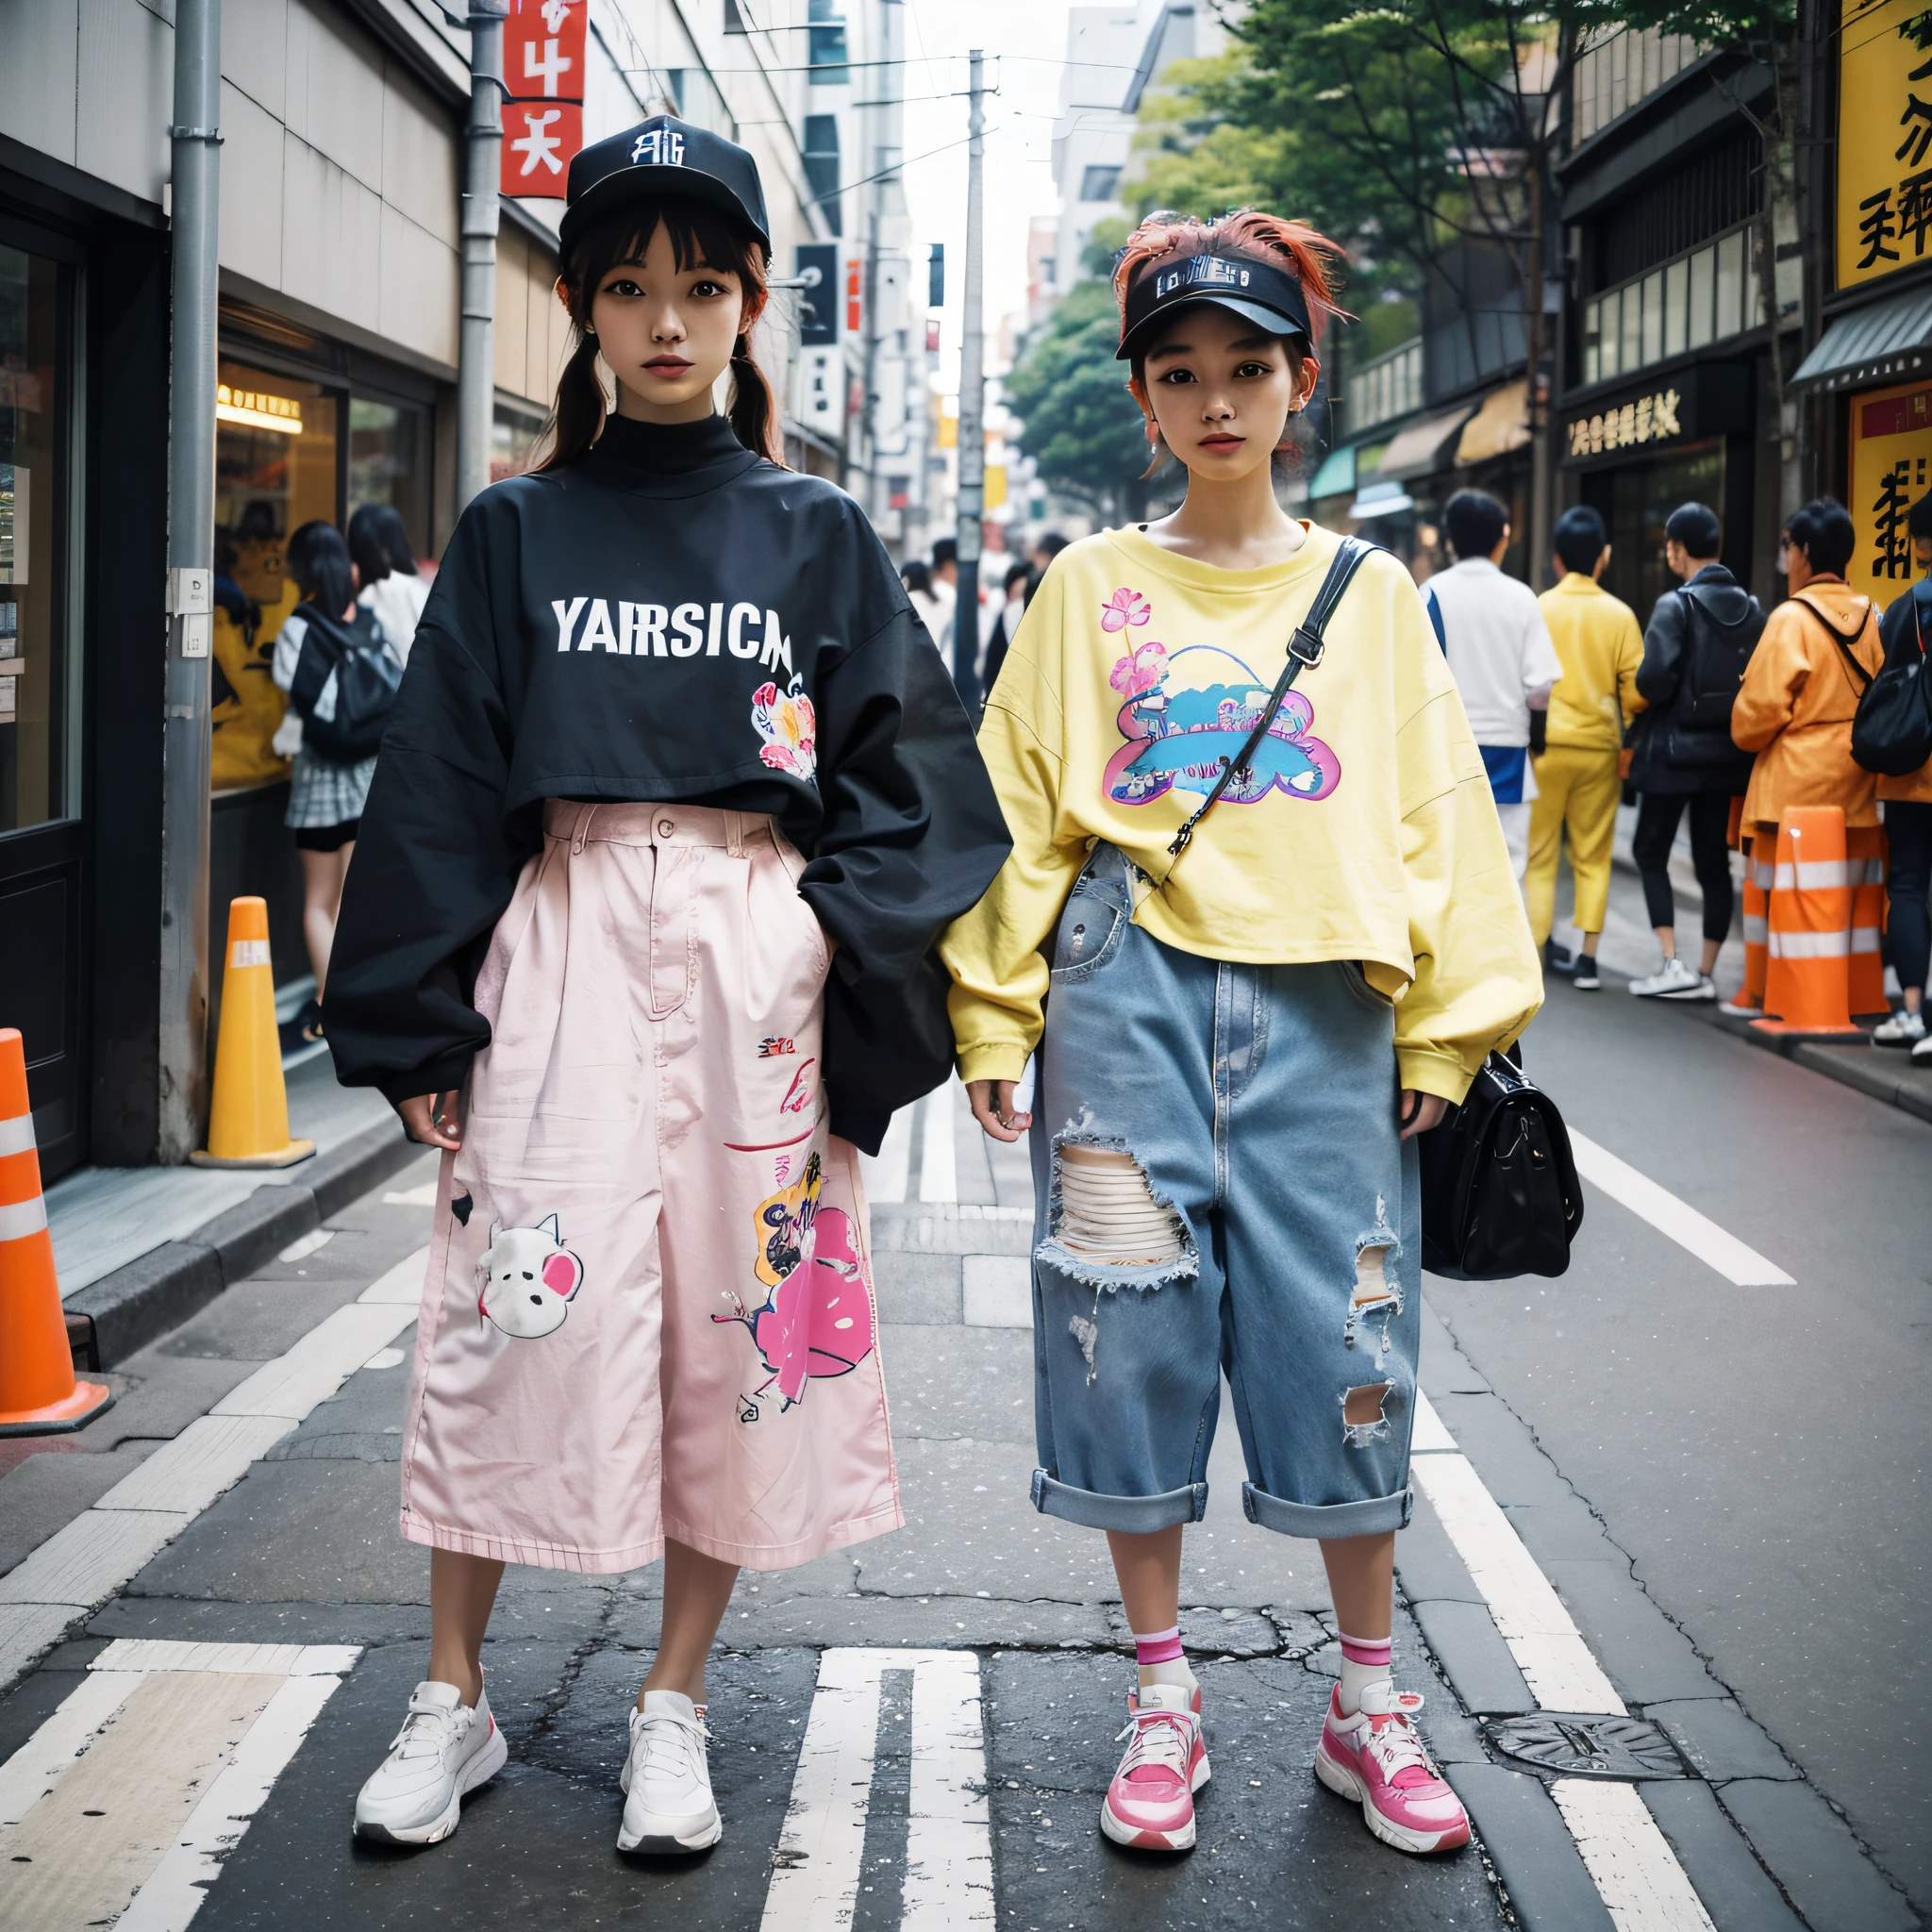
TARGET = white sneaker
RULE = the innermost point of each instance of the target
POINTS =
(1902, 1029)
(443, 1750)
(1674, 981)
(667, 1783)
(1739, 1009)
(1921, 1054)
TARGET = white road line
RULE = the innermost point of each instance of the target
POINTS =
(424, 1196)
(939, 1169)
(300, 1250)
(815, 1876)
(86, 1560)
(1701, 1235)
(174, 1886)
(885, 1172)
(1629, 1860)
(178, 1885)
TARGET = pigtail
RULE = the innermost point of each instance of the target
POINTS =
(576, 417)
(753, 411)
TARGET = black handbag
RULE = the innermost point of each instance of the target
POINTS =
(1499, 1187)
(1892, 733)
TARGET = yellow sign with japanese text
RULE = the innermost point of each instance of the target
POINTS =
(1884, 138)
(1890, 469)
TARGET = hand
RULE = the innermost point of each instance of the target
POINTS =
(431, 1119)
(1419, 1112)
(993, 1106)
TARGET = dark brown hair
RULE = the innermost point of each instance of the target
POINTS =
(700, 235)
(1244, 233)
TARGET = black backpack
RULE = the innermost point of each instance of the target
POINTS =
(1716, 654)
(1892, 733)
(367, 678)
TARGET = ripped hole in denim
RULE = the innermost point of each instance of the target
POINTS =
(1376, 1298)
(1107, 1211)
(1364, 1419)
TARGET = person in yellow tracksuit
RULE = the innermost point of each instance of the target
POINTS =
(1600, 644)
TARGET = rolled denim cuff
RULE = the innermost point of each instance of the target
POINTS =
(1136, 1514)
(1319, 1521)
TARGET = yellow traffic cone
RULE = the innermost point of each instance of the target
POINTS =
(248, 1125)
(38, 1395)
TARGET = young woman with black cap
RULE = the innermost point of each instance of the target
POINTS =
(1281, 932)
(675, 801)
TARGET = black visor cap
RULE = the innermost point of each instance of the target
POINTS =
(1268, 297)
(660, 158)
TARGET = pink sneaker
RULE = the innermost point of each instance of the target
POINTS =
(1376, 1761)
(1150, 1804)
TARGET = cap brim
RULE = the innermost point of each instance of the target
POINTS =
(648, 183)
(1272, 319)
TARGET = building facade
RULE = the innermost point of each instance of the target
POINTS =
(340, 170)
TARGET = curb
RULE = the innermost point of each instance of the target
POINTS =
(1873, 1071)
(130, 1307)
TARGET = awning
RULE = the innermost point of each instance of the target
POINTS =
(1417, 450)
(1499, 426)
(1335, 475)
(1380, 500)
(1880, 343)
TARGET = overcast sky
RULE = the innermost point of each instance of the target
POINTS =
(1024, 41)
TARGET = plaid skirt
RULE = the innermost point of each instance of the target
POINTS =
(326, 793)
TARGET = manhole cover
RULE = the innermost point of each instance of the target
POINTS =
(1577, 1746)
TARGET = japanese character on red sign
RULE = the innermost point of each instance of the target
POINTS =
(543, 118)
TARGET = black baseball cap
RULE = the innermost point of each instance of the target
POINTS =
(1267, 296)
(664, 156)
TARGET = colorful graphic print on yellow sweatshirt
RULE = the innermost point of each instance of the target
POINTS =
(1366, 833)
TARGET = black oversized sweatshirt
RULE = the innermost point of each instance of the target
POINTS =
(621, 629)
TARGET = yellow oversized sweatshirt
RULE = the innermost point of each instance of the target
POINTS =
(1376, 840)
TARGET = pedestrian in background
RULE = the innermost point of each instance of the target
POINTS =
(1908, 803)
(1819, 651)
(325, 794)
(1017, 589)
(392, 586)
(931, 610)
(1492, 630)
(945, 590)
(1695, 651)
(1599, 646)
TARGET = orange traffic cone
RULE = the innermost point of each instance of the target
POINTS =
(1758, 874)
(38, 1395)
(1865, 861)
(248, 1125)
(1808, 977)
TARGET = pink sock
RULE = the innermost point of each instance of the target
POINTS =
(1162, 1647)
(1365, 1660)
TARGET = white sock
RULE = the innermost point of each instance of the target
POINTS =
(1365, 1660)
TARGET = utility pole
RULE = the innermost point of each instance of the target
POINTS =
(971, 406)
(483, 154)
(195, 205)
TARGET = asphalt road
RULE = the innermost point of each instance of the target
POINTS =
(1715, 1488)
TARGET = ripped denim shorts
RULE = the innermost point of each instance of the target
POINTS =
(1220, 1188)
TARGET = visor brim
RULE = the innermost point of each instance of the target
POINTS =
(655, 184)
(1261, 314)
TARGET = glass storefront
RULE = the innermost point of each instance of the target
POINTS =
(1636, 500)
(388, 462)
(37, 766)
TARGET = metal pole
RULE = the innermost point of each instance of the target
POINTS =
(195, 215)
(971, 411)
(476, 355)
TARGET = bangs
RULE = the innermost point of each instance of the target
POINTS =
(701, 237)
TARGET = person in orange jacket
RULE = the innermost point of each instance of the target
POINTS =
(1794, 709)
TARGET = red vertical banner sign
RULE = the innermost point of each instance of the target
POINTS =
(544, 117)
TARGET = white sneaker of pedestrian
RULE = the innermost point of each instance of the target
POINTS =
(1921, 1054)
(668, 1805)
(1584, 978)
(1902, 1029)
(1672, 980)
(443, 1750)
(1739, 1009)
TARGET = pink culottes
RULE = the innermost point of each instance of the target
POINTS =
(649, 1309)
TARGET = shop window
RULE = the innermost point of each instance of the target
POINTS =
(275, 469)
(1630, 350)
(388, 462)
(37, 770)
(1730, 285)
(1703, 296)
(1676, 307)
(513, 441)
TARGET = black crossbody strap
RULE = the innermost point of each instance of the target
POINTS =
(1305, 650)
(1842, 641)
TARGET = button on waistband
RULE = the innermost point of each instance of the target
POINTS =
(665, 829)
